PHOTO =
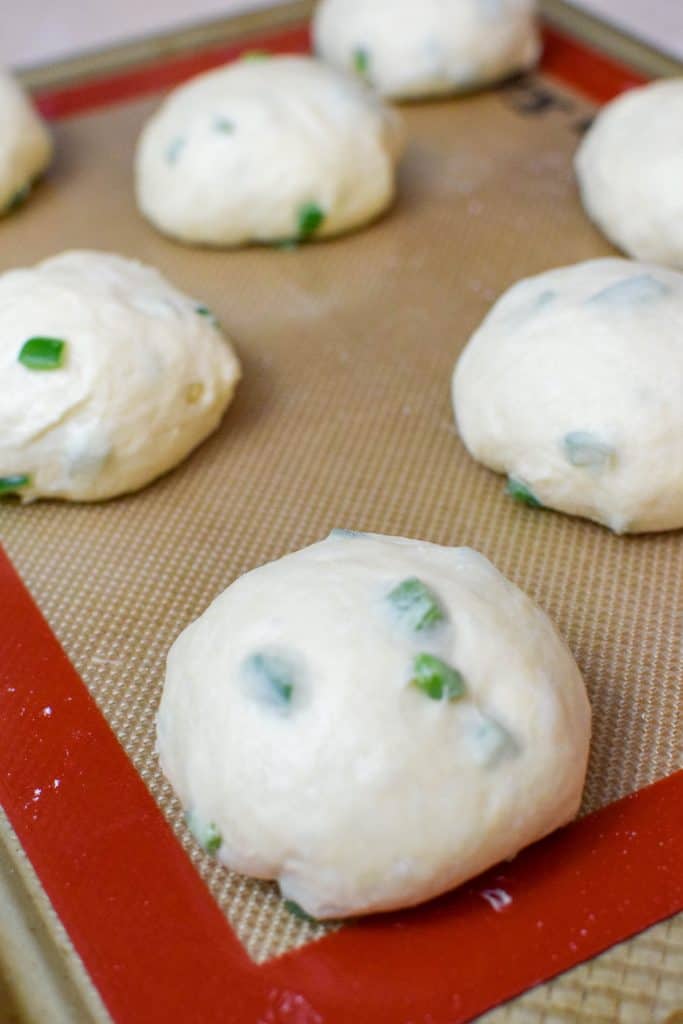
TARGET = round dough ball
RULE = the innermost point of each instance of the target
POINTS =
(630, 169)
(572, 385)
(414, 48)
(111, 376)
(25, 144)
(372, 721)
(267, 150)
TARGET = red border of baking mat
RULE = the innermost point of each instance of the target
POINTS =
(576, 64)
(146, 927)
(159, 949)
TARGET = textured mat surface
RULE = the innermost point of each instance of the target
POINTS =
(344, 419)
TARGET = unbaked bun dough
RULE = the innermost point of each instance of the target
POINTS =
(413, 48)
(572, 385)
(267, 150)
(630, 169)
(25, 144)
(371, 721)
(110, 377)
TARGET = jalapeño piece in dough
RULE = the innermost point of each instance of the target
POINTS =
(42, 353)
(310, 218)
(416, 605)
(521, 493)
(436, 679)
(206, 833)
(15, 482)
(272, 677)
(361, 60)
(586, 450)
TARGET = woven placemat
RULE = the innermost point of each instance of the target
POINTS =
(344, 419)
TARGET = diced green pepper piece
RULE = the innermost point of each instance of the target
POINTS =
(310, 218)
(223, 125)
(209, 314)
(213, 840)
(416, 604)
(436, 679)
(18, 199)
(174, 149)
(43, 353)
(520, 492)
(587, 450)
(255, 55)
(206, 834)
(361, 61)
(273, 678)
(490, 741)
(545, 298)
(15, 482)
(299, 912)
(642, 288)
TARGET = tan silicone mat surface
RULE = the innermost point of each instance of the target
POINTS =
(344, 419)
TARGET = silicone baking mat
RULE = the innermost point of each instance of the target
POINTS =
(343, 419)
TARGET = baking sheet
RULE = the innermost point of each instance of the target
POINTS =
(344, 419)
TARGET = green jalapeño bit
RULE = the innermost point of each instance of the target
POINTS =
(14, 483)
(299, 912)
(18, 199)
(224, 125)
(43, 353)
(273, 676)
(436, 679)
(492, 742)
(417, 606)
(309, 220)
(586, 450)
(630, 291)
(208, 836)
(213, 840)
(174, 149)
(205, 311)
(521, 493)
(361, 60)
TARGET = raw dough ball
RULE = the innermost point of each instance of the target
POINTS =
(371, 721)
(630, 169)
(573, 385)
(110, 377)
(413, 48)
(25, 144)
(267, 150)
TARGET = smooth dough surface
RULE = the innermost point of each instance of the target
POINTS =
(572, 385)
(141, 375)
(360, 792)
(25, 144)
(267, 150)
(630, 168)
(416, 48)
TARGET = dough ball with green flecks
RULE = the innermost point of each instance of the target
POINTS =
(410, 49)
(371, 721)
(269, 150)
(111, 376)
(572, 386)
(25, 144)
